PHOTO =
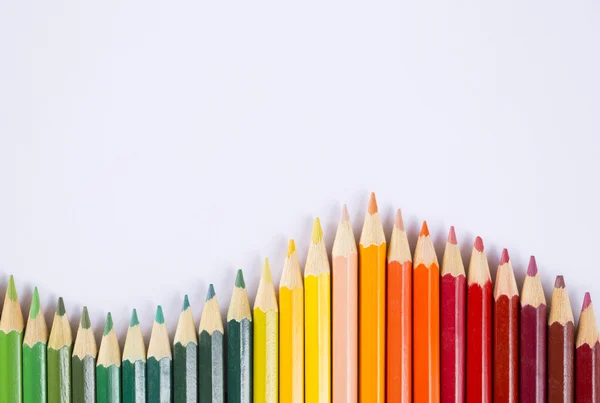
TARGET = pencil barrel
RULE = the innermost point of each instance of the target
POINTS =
(134, 381)
(159, 380)
(561, 363)
(108, 384)
(34, 373)
(532, 354)
(185, 373)
(84, 379)
(59, 375)
(239, 361)
(210, 367)
(10, 366)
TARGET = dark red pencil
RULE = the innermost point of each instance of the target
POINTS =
(533, 338)
(506, 334)
(561, 346)
(479, 327)
(587, 365)
(452, 323)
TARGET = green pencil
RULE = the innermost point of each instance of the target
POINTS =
(11, 338)
(59, 357)
(185, 357)
(210, 351)
(239, 344)
(159, 365)
(34, 353)
(134, 363)
(84, 362)
(108, 367)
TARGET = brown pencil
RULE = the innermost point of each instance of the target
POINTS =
(587, 365)
(561, 346)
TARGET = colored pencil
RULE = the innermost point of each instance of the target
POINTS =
(453, 295)
(266, 336)
(108, 366)
(317, 314)
(344, 313)
(561, 346)
(291, 329)
(83, 363)
(185, 357)
(210, 351)
(426, 327)
(533, 325)
(159, 376)
(587, 366)
(11, 338)
(399, 315)
(479, 327)
(59, 357)
(34, 354)
(371, 311)
(239, 344)
(506, 333)
(134, 363)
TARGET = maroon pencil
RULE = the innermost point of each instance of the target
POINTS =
(533, 338)
(506, 334)
(561, 346)
(453, 290)
(587, 365)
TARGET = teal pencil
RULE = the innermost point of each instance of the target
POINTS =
(210, 351)
(83, 362)
(34, 354)
(134, 363)
(108, 367)
(159, 366)
(185, 357)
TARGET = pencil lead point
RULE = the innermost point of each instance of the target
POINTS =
(85, 318)
(559, 282)
(159, 317)
(211, 292)
(345, 215)
(60, 307)
(11, 291)
(109, 324)
(266, 272)
(479, 244)
(34, 311)
(424, 229)
(291, 247)
(452, 236)
(372, 204)
(134, 321)
(504, 258)
(587, 301)
(239, 279)
(186, 303)
(399, 221)
(532, 269)
(317, 232)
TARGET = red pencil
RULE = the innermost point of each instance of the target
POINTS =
(479, 327)
(452, 316)
(506, 334)
(587, 365)
(561, 346)
(533, 338)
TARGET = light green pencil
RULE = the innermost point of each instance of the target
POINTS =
(108, 367)
(11, 338)
(34, 354)
(59, 357)
(84, 362)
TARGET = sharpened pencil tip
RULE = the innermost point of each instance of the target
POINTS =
(587, 301)
(211, 292)
(424, 229)
(479, 244)
(11, 291)
(85, 319)
(345, 216)
(291, 247)
(159, 317)
(559, 282)
(266, 272)
(239, 279)
(317, 232)
(60, 307)
(399, 221)
(134, 321)
(504, 258)
(372, 204)
(109, 324)
(34, 311)
(532, 269)
(186, 303)
(452, 236)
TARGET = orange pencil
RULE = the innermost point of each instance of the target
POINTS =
(371, 358)
(426, 321)
(399, 316)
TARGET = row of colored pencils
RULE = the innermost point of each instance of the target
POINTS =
(420, 331)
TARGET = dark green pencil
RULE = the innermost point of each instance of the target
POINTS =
(83, 362)
(134, 363)
(159, 366)
(210, 352)
(59, 357)
(108, 367)
(185, 357)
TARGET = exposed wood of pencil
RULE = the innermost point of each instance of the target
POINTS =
(426, 326)
(344, 313)
(506, 333)
(185, 357)
(210, 351)
(134, 363)
(266, 336)
(11, 338)
(371, 311)
(533, 326)
(34, 354)
(159, 364)
(83, 362)
(239, 344)
(399, 315)
(453, 293)
(479, 327)
(291, 329)
(317, 289)
(108, 366)
(561, 346)
(587, 365)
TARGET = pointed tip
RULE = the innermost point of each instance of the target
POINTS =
(60, 307)
(452, 236)
(317, 232)
(372, 204)
(11, 291)
(399, 221)
(532, 269)
(85, 322)
(109, 324)
(134, 321)
(504, 258)
(186, 303)
(211, 292)
(34, 310)
(291, 247)
(478, 244)
(587, 301)
(266, 272)
(239, 279)
(345, 215)
(424, 229)
(159, 317)
(559, 282)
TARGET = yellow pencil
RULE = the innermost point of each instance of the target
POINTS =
(291, 337)
(318, 319)
(266, 336)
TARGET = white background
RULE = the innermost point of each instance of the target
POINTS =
(148, 149)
